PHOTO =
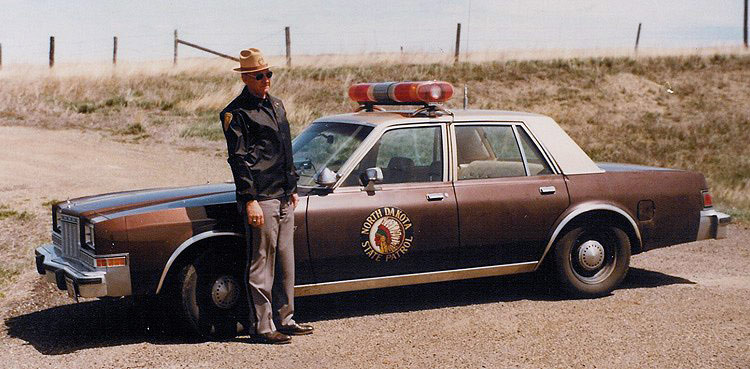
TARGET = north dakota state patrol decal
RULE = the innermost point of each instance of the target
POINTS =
(387, 234)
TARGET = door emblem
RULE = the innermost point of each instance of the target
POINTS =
(387, 234)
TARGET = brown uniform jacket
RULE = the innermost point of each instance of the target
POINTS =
(259, 147)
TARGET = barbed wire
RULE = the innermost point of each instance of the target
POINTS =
(425, 39)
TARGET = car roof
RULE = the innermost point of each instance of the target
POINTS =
(405, 116)
(570, 158)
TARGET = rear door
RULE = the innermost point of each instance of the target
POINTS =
(507, 192)
(409, 224)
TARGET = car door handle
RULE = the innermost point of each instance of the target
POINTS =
(435, 196)
(547, 190)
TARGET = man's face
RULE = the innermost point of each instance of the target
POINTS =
(258, 87)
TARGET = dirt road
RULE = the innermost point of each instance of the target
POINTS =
(685, 306)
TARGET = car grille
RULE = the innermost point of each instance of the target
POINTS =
(69, 241)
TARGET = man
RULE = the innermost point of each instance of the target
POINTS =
(260, 155)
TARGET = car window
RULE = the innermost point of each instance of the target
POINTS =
(488, 152)
(405, 155)
(537, 165)
(325, 145)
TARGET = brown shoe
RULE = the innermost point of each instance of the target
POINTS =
(273, 338)
(296, 329)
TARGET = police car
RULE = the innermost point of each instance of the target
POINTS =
(415, 193)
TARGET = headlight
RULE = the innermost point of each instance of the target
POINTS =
(56, 219)
(88, 235)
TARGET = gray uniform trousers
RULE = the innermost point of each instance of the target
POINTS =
(270, 271)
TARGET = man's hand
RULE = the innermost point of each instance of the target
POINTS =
(254, 214)
(295, 200)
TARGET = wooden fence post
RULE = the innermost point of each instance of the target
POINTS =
(175, 48)
(114, 52)
(458, 42)
(637, 37)
(744, 29)
(288, 48)
(51, 51)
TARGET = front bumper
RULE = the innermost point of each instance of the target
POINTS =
(713, 225)
(77, 279)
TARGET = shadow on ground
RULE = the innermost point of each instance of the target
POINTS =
(102, 323)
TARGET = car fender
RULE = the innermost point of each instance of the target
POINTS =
(583, 209)
(187, 244)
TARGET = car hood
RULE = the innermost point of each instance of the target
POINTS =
(118, 202)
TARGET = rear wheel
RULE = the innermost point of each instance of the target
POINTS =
(592, 261)
(212, 296)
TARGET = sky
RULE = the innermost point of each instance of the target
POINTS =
(84, 29)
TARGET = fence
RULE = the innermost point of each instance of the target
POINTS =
(288, 47)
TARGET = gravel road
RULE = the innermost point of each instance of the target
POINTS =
(684, 306)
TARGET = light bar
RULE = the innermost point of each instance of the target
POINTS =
(401, 93)
(111, 262)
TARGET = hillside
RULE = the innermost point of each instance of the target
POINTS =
(677, 112)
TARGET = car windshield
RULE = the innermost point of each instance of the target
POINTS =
(325, 145)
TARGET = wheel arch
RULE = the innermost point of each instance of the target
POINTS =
(601, 213)
(191, 247)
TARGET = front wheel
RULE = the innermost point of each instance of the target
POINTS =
(212, 296)
(592, 261)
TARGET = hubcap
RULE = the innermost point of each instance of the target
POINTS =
(225, 292)
(591, 255)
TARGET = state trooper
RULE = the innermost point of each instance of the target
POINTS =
(260, 155)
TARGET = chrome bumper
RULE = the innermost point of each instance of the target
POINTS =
(79, 279)
(713, 225)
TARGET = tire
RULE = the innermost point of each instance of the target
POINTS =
(212, 297)
(592, 261)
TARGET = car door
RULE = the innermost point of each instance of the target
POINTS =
(409, 224)
(507, 192)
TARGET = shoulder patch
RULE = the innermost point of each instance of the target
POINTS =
(227, 120)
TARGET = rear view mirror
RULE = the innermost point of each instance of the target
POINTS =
(370, 177)
(326, 177)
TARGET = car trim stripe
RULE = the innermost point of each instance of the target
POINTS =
(410, 279)
(185, 245)
(583, 209)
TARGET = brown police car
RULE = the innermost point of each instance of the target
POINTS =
(391, 198)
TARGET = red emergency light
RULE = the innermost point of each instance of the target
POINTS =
(401, 93)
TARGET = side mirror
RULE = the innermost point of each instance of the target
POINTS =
(370, 177)
(326, 177)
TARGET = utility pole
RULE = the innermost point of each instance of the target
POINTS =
(744, 29)
(458, 42)
(288, 47)
(1, 56)
(175, 48)
(51, 51)
(114, 52)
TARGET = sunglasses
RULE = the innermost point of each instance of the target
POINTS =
(259, 76)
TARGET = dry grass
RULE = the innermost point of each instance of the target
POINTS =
(617, 108)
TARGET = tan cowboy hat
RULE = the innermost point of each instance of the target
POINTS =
(251, 60)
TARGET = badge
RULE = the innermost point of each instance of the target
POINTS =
(227, 120)
(387, 234)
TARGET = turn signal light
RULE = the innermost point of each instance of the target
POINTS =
(111, 262)
(401, 92)
(708, 201)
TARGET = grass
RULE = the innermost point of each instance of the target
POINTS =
(7, 212)
(690, 112)
(49, 203)
(6, 276)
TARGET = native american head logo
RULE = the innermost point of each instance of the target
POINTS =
(386, 234)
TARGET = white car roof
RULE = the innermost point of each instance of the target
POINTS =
(570, 158)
